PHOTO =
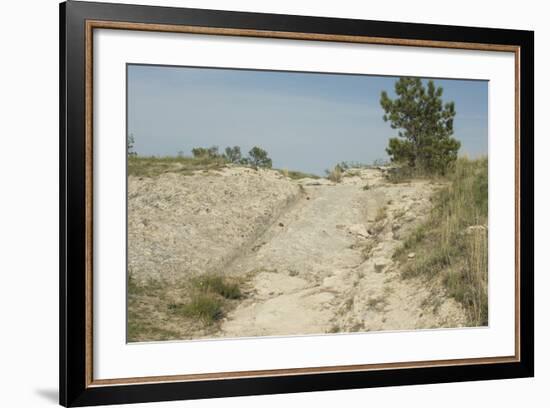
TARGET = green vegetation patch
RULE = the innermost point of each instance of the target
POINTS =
(202, 306)
(219, 285)
(208, 298)
(161, 310)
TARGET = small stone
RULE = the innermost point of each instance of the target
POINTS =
(411, 255)
(281, 224)
(359, 230)
(380, 264)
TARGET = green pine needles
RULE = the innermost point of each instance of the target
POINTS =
(425, 126)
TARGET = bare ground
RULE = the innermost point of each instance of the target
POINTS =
(181, 225)
(326, 265)
(315, 256)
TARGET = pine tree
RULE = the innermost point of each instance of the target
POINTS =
(425, 126)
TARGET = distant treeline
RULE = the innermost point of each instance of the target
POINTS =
(257, 157)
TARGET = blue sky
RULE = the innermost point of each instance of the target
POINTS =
(306, 121)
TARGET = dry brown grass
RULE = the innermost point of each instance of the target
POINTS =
(381, 214)
(154, 166)
(335, 175)
(297, 175)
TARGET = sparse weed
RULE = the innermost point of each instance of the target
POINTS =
(367, 248)
(381, 214)
(399, 213)
(335, 175)
(335, 329)
(377, 303)
(293, 272)
(297, 175)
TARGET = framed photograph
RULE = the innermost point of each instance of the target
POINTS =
(257, 204)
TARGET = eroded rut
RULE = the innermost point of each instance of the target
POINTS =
(326, 265)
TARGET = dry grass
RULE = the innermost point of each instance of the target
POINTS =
(381, 214)
(154, 166)
(367, 247)
(297, 175)
(447, 248)
(405, 174)
(335, 175)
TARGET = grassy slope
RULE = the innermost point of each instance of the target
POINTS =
(153, 166)
(141, 166)
(452, 243)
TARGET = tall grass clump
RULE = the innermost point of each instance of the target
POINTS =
(202, 307)
(335, 175)
(452, 243)
(219, 285)
(208, 298)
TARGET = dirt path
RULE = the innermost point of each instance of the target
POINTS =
(325, 266)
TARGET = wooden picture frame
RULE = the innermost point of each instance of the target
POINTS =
(78, 20)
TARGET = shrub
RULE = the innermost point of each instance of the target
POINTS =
(205, 152)
(233, 154)
(258, 158)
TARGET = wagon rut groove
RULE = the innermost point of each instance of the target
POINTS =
(325, 264)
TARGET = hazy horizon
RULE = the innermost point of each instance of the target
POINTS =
(306, 121)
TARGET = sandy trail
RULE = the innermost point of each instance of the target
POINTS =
(311, 271)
